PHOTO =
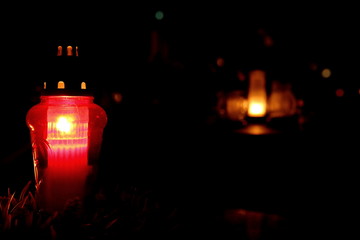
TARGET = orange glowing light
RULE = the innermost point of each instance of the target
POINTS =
(61, 85)
(236, 106)
(64, 124)
(257, 97)
(257, 129)
(282, 101)
(326, 73)
(69, 50)
(256, 109)
(59, 51)
(117, 97)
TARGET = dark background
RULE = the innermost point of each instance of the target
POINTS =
(161, 134)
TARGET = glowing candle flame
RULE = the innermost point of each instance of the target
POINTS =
(257, 94)
(63, 124)
(256, 109)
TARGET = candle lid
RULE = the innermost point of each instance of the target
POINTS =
(66, 70)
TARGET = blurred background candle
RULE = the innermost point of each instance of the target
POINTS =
(236, 105)
(282, 101)
(257, 97)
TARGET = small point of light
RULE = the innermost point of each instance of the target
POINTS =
(45, 85)
(63, 124)
(59, 51)
(257, 129)
(69, 50)
(83, 85)
(339, 92)
(256, 109)
(117, 97)
(326, 73)
(159, 15)
(220, 62)
(61, 85)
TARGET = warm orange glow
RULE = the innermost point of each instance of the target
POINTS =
(256, 109)
(64, 124)
(117, 97)
(257, 129)
(61, 85)
(77, 51)
(59, 51)
(282, 101)
(236, 106)
(326, 73)
(339, 92)
(83, 85)
(69, 51)
(257, 94)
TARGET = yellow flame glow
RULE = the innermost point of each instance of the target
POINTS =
(257, 94)
(63, 124)
(257, 109)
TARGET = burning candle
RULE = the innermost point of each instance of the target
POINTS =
(257, 94)
(66, 130)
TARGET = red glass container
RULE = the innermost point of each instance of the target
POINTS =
(66, 131)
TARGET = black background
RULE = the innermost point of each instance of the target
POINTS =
(159, 134)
